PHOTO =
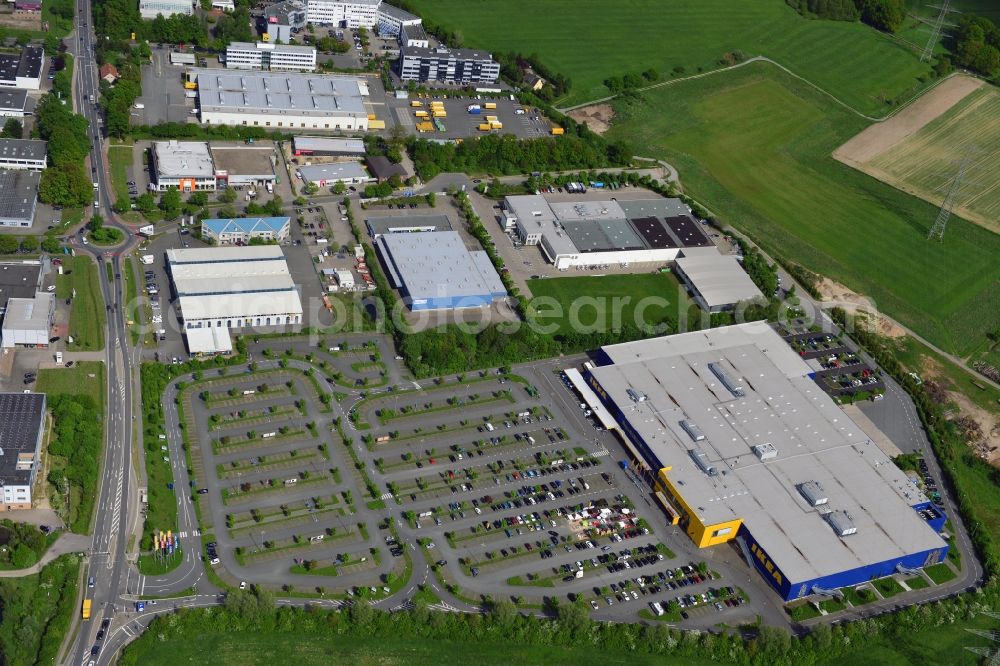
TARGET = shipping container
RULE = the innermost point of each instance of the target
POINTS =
(376, 124)
(87, 603)
(484, 127)
(425, 127)
(415, 104)
(490, 105)
(421, 114)
(558, 131)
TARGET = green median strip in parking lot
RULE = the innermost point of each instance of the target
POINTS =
(258, 417)
(229, 497)
(273, 462)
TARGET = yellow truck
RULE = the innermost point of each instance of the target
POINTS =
(426, 126)
(490, 105)
(484, 127)
(558, 131)
(87, 603)
(376, 124)
(190, 85)
(415, 104)
(371, 116)
(440, 113)
(496, 124)
(421, 114)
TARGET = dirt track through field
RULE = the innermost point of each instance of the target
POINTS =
(875, 140)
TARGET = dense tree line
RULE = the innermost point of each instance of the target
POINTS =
(513, 68)
(834, 10)
(25, 545)
(886, 15)
(506, 154)
(78, 434)
(65, 182)
(977, 45)
(35, 612)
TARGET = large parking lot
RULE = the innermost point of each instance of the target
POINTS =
(462, 124)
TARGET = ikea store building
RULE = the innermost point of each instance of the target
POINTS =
(744, 446)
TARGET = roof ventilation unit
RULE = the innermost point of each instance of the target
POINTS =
(813, 492)
(701, 459)
(693, 431)
(731, 385)
(765, 451)
(636, 395)
(841, 522)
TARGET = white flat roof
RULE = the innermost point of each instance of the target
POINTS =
(719, 278)
(333, 171)
(781, 406)
(29, 314)
(280, 92)
(209, 340)
(188, 159)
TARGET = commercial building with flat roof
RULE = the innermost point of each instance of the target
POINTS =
(414, 36)
(208, 340)
(148, 9)
(19, 280)
(234, 287)
(717, 281)
(242, 230)
(406, 224)
(15, 103)
(18, 196)
(22, 70)
(23, 154)
(391, 20)
(27, 322)
(269, 56)
(22, 419)
(282, 18)
(419, 63)
(435, 271)
(281, 100)
(746, 446)
(343, 13)
(322, 146)
(334, 172)
(186, 165)
(593, 233)
(244, 165)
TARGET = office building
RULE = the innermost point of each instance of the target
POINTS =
(414, 36)
(392, 20)
(272, 57)
(343, 14)
(22, 70)
(18, 197)
(234, 287)
(27, 322)
(434, 271)
(746, 447)
(242, 230)
(22, 419)
(280, 100)
(23, 154)
(149, 9)
(282, 19)
(446, 65)
(15, 103)
(185, 165)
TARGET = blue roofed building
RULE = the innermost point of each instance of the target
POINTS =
(242, 230)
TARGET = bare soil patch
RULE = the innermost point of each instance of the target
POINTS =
(858, 304)
(875, 140)
(597, 116)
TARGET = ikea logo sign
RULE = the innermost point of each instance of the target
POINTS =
(766, 562)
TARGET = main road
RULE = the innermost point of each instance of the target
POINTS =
(116, 492)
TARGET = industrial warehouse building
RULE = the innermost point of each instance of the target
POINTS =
(321, 146)
(234, 287)
(592, 233)
(717, 282)
(22, 417)
(185, 165)
(27, 322)
(272, 57)
(441, 64)
(434, 271)
(243, 165)
(148, 9)
(406, 224)
(745, 446)
(240, 231)
(334, 172)
(18, 196)
(271, 99)
(23, 154)
(22, 70)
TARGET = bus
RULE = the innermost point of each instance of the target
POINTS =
(86, 609)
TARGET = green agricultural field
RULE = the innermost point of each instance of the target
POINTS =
(924, 163)
(590, 41)
(607, 303)
(86, 323)
(754, 145)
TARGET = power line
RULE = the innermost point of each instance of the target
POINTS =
(941, 223)
(944, 8)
